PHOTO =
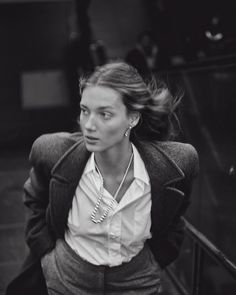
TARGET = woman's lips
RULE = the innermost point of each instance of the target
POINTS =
(91, 139)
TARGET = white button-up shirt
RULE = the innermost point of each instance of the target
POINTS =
(123, 232)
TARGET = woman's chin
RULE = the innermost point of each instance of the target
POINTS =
(92, 148)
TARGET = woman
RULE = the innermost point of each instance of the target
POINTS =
(105, 205)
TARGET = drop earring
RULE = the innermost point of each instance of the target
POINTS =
(127, 131)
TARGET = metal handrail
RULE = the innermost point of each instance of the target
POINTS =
(210, 248)
(202, 246)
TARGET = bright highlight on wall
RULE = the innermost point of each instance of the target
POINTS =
(44, 89)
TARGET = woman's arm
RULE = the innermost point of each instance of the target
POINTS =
(36, 199)
(170, 241)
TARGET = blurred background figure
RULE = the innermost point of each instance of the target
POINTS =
(144, 55)
(98, 53)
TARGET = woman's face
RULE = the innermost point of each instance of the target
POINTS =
(103, 118)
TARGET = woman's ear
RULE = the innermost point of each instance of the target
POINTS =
(134, 119)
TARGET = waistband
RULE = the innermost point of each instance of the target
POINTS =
(134, 263)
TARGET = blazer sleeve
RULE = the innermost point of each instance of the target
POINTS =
(191, 171)
(36, 199)
(171, 241)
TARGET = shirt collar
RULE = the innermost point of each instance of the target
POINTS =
(140, 171)
(90, 166)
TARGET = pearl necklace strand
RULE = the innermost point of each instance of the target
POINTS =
(101, 195)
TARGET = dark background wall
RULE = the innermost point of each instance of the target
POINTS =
(34, 37)
(38, 36)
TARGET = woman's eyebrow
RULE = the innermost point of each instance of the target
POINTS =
(105, 107)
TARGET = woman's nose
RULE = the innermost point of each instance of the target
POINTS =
(90, 123)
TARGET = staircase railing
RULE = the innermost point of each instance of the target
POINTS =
(202, 247)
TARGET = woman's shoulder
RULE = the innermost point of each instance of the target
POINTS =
(59, 137)
(175, 147)
(50, 147)
(184, 155)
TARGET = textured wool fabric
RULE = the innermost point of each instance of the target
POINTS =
(66, 273)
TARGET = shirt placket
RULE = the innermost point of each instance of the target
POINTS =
(114, 239)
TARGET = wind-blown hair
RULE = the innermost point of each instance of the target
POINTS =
(153, 100)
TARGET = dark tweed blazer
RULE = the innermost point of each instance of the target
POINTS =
(58, 161)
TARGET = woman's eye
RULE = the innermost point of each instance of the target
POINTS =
(84, 112)
(106, 115)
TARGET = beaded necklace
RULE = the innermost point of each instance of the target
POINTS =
(101, 195)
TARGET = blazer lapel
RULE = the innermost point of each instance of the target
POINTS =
(163, 173)
(65, 178)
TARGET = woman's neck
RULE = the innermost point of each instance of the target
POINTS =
(113, 161)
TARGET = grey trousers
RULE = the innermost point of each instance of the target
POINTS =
(66, 273)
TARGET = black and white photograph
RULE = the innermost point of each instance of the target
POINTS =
(117, 147)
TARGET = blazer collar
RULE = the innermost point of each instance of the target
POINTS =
(70, 166)
(160, 166)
